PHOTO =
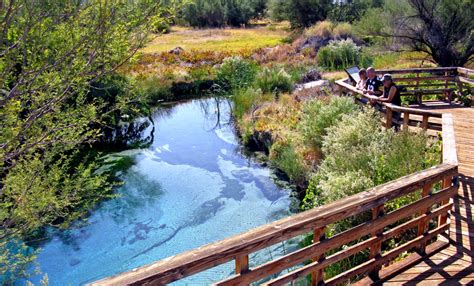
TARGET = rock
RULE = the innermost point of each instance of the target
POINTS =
(313, 84)
(176, 51)
(312, 75)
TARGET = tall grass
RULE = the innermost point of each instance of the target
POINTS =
(274, 80)
(340, 54)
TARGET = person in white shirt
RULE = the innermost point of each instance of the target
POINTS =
(363, 80)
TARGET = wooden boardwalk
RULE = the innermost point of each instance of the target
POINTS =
(453, 265)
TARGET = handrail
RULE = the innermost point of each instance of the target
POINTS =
(211, 255)
(380, 228)
(390, 108)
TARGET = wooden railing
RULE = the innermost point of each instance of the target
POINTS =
(427, 218)
(427, 81)
(390, 108)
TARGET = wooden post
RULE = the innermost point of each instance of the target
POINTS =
(406, 120)
(424, 124)
(388, 118)
(241, 264)
(376, 248)
(423, 225)
(442, 219)
(446, 85)
(318, 276)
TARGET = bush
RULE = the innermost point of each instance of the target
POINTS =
(342, 30)
(300, 13)
(244, 99)
(219, 13)
(360, 154)
(323, 29)
(274, 80)
(284, 156)
(341, 54)
(154, 89)
(236, 72)
(318, 115)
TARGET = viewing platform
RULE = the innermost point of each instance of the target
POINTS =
(438, 226)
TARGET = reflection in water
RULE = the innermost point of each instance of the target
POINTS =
(189, 187)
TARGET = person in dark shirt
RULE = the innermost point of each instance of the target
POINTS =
(373, 84)
(391, 94)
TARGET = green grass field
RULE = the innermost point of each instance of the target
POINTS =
(222, 40)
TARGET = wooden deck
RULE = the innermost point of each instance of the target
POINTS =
(453, 265)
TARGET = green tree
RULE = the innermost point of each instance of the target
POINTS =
(53, 54)
(300, 13)
(442, 29)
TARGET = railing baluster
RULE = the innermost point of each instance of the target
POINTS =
(424, 124)
(318, 276)
(388, 118)
(444, 218)
(376, 248)
(406, 120)
(241, 264)
(423, 226)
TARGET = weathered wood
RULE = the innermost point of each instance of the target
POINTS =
(449, 141)
(406, 120)
(465, 71)
(191, 262)
(417, 70)
(351, 250)
(423, 225)
(406, 263)
(347, 236)
(388, 118)
(386, 257)
(376, 248)
(241, 264)
(440, 78)
(424, 123)
(318, 275)
(465, 80)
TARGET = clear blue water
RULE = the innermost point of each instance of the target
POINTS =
(192, 186)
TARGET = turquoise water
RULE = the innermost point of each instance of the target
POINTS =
(192, 186)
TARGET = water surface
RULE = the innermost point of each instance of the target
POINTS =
(192, 186)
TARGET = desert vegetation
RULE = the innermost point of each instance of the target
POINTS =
(73, 72)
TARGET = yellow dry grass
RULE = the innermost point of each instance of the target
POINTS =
(222, 40)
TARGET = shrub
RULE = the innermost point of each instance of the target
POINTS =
(284, 156)
(155, 89)
(318, 115)
(342, 30)
(360, 154)
(244, 99)
(340, 54)
(323, 29)
(236, 72)
(274, 80)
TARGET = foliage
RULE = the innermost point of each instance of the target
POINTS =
(284, 156)
(358, 153)
(442, 29)
(350, 11)
(219, 13)
(244, 99)
(274, 80)
(318, 115)
(236, 72)
(300, 13)
(340, 54)
(57, 92)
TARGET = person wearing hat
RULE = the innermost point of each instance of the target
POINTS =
(391, 94)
